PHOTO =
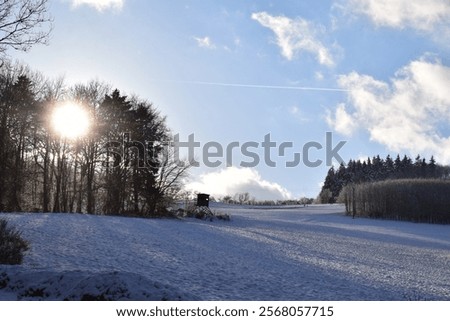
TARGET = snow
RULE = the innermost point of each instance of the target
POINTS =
(263, 253)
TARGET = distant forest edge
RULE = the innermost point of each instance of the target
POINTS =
(417, 200)
(41, 171)
(400, 189)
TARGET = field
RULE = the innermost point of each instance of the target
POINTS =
(284, 253)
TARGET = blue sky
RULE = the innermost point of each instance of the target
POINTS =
(385, 65)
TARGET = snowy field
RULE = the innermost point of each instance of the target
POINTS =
(285, 253)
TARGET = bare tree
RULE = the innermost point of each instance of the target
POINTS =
(41, 170)
(23, 23)
(243, 197)
(170, 174)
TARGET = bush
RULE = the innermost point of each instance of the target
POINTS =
(12, 245)
(203, 213)
(417, 200)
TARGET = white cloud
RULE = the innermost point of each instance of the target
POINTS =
(427, 16)
(406, 114)
(296, 35)
(100, 5)
(234, 180)
(205, 42)
(318, 75)
(342, 122)
(297, 114)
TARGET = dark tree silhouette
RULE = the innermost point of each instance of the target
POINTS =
(122, 166)
(377, 169)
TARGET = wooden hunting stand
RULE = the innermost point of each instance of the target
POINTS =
(203, 204)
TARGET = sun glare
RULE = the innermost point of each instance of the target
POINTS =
(70, 121)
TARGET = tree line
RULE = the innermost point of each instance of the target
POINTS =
(101, 172)
(417, 200)
(247, 199)
(377, 169)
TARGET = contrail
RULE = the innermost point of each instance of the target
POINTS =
(207, 83)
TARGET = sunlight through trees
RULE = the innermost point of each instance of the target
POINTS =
(77, 149)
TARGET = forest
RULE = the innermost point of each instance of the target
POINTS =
(377, 169)
(105, 171)
(395, 189)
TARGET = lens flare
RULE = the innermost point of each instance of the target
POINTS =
(70, 121)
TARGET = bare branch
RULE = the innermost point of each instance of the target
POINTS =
(24, 23)
(171, 172)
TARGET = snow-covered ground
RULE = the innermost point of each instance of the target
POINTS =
(285, 253)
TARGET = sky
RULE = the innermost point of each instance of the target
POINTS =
(267, 80)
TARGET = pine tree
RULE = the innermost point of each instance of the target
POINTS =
(328, 186)
(376, 169)
(388, 167)
(432, 172)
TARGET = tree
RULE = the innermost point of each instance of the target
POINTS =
(23, 23)
(376, 169)
(325, 195)
(23, 105)
(140, 173)
(115, 113)
(17, 106)
(432, 167)
(42, 143)
(227, 199)
(397, 165)
(169, 176)
(243, 198)
(388, 166)
(88, 152)
(41, 170)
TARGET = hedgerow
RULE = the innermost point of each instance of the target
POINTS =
(417, 200)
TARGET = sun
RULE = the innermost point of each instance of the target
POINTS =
(70, 120)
